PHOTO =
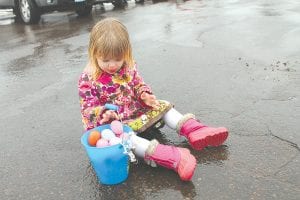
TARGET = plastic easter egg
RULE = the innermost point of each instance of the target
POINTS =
(107, 134)
(94, 136)
(102, 143)
(115, 140)
(116, 127)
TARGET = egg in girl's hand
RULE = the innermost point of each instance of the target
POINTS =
(117, 127)
(93, 137)
(102, 143)
(107, 134)
(115, 140)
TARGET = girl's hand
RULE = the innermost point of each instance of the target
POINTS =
(109, 115)
(150, 100)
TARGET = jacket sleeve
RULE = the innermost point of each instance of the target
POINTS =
(90, 106)
(139, 85)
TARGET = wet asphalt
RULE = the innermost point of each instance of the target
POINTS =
(231, 63)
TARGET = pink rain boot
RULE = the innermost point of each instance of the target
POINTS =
(199, 135)
(178, 159)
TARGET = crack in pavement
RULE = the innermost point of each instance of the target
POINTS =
(284, 140)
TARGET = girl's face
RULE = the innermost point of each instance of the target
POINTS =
(110, 66)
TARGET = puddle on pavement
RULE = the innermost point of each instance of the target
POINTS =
(143, 182)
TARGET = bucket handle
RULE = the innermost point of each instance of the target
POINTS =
(128, 147)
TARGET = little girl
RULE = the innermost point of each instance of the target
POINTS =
(111, 76)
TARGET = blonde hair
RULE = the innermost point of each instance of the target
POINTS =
(109, 39)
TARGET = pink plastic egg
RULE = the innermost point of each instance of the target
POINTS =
(117, 127)
(102, 143)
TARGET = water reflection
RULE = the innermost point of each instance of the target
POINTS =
(144, 182)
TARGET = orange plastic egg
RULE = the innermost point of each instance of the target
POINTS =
(94, 136)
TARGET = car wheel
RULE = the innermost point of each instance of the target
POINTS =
(84, 10)
(119, 3)
(29, 13)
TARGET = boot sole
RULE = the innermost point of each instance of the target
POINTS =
(214, 138)
(186, 173)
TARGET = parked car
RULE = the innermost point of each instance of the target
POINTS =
(30, 11)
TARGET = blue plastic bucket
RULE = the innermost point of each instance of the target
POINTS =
(110, 163)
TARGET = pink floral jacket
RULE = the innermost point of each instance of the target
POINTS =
(122, 89)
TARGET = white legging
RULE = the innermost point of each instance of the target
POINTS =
(172, 117)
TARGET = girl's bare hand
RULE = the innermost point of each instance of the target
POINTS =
(109, 115)
(150, 100)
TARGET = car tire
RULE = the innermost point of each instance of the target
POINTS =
(28, 12)
(83, 10)
(119, 3)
